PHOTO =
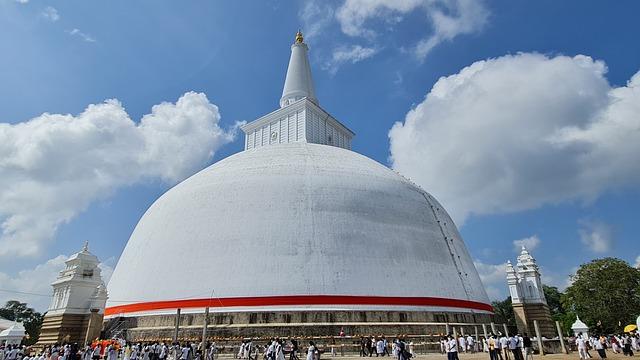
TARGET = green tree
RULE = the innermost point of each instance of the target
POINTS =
(553, 296)
(503, 312)
(31, 319)
(558, 312)
(605, 293)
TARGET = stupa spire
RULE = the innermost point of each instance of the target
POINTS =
(298, 83)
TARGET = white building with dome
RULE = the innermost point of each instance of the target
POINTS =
(296, 230)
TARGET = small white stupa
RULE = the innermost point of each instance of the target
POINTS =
(580, 327)
(12, 335)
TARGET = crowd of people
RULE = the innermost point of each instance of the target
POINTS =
(113, 350)
(624, 344)
(498, 347)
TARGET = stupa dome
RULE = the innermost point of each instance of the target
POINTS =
(297, 226)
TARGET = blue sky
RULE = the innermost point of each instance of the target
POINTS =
(531, 131)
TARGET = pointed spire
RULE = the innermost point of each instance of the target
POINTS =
(85, 248)
(298, 83)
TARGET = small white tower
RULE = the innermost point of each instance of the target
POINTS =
(78, 287)
(527, 295)
(79, 299)
(512, 281)
(529, 283)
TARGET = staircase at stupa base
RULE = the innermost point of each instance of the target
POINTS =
(69, 328)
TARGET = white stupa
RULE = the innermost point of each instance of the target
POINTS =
(297, 222)
(12, 335)
(579, 327)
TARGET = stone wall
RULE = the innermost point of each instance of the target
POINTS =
(298, 324)
(526, 313)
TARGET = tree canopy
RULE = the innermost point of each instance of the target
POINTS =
(605, 293)
(503, 312)
(31, 319)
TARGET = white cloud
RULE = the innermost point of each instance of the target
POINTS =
(81, 35)
(494, 279)
(32, 286)
(531, 243)
(367, 22)
(315, 16)
(448, 18)
(637, 264)
(596, 236)
(53, 166)
(519, 132)
(348, 54)
(50, 13)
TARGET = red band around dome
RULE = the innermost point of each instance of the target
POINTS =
(297, 300)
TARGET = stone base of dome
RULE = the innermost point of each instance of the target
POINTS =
(308, 324)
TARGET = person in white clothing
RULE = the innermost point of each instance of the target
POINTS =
(471, 342)
(279, 350)
(504, 346)
(599, 345)
(311, 351)
(379, 347)
(96, 352)
(581, 343)
(463, 344)
(184, 352)
(452, 349)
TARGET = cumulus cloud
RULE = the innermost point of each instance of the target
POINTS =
(494, 279)
(53, 166)
(447, 18)
(84, 36)
(531, 243)
(597, 236)
(521, 131)
(50, 13)
(351, 54)
(32, 286)
(637, 264)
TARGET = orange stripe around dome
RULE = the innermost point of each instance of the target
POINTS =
(296, 300)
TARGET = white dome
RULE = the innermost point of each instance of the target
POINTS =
(295, 226)
(15, 331)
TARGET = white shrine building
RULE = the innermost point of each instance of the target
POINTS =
(527, 296)
(77, 306)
